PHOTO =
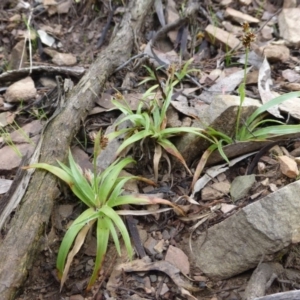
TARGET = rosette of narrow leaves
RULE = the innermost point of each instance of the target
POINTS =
(149, 122)
(101, 193)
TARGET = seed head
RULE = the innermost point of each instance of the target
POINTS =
(248, 36)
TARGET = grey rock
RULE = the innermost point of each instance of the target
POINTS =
(259, 230)
(288, 25)
(149, 246)
(241, 186)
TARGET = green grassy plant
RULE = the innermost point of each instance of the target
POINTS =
(256, 127)
(102, 194)
(149, 121)
(7, 139)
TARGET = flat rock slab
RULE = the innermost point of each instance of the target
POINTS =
(288, 21)
(257, 231)
(221, 37)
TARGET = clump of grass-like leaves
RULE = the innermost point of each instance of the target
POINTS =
(102, 194)
(149, 121)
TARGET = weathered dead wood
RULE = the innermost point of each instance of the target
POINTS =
(20, 245)
(263, 277)
(291, 295)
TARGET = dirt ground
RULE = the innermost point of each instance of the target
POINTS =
(83, 29)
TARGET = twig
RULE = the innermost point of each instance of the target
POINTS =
(106, 27)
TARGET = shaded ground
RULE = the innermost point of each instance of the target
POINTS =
(80, 31)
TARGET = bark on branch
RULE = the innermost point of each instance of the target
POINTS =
(20, 245)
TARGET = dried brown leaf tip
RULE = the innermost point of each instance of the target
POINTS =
(103, 142)
(248, 36)
(119, 96)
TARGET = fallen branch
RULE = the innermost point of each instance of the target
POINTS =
(22, 241)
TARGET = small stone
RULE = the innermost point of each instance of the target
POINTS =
(64, 59)
(241, 186)
(90, 262)
(164, 289)
(276, 53)
(288, 166)
(159, 247)
(219, 36)
(216, 191)
(21, 91)
(261, 167)
(10, 160)
(226, 2)
(179, 259)
(239, 17)
(76, 297)
(267, 33)
(289, 3)
(65, 210)
(159, 256)
(291, 75)
(153, 278)
(225, 208)
(149, 246)
(200, 278)
(208, 193)
(166, 235)
(48, 82)
(142, 233)
(61, 59)
(273, 187)
(245, 2)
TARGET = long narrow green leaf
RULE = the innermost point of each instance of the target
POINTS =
(109, 181)
(123, 108)
(270, 131)
(166, 103)
(174, 131)
(170, 148)
(114, 235)
(221, 151)
(264, 122)
(218, 134)
(136, 120)
(58, 172)
(247, 131)
(126, 199)
(271, 103)
(88, 215)
(156, 118)
(117, 133)
(118, 188)
(65, 175)
(147, 122)
(134, 138)
(149, 92)
(77, 190)
(120, 225)
(80, 181)
(102, 233)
